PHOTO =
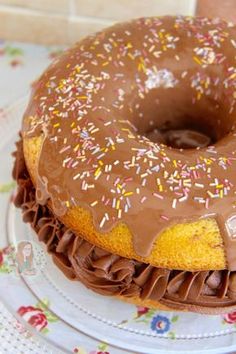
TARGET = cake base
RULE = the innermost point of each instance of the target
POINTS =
(209, 292)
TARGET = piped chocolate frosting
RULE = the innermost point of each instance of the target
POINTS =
(96, 104)
(110, 274)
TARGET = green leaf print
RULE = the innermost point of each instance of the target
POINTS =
(146, 321)
(13, 51)
(43, 305)
(174, 319)
(7, 187)
(44, 330)
(51, 317)
(150, 313)
(171, 335)
(4, 268)
(102, 347)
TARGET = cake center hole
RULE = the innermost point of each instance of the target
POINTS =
(180, 138)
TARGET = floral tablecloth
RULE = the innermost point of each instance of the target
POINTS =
(20, 65)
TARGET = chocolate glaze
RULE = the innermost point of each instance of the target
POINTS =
(179, 139)
(110, 274)
(95, 104)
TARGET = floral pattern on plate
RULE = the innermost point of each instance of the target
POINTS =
(14, 54)
(102, 348)
(38, 316)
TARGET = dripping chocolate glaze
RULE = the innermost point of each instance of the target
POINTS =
(110, 274)
(99, 100)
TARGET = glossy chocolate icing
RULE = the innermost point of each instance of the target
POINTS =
(110, 274)
(95, 104)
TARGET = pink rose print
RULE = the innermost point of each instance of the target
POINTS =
(34, 316)
(20, 328)
(54, 53)
(6, 259)
(141, 310)
(1, 258)
(38, 316)
(15, 62)
(230, 317)
(14, 55)
(8, 250)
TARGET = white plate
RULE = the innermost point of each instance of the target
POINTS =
(76, 316)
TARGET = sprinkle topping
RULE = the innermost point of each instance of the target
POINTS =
(98, 100)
